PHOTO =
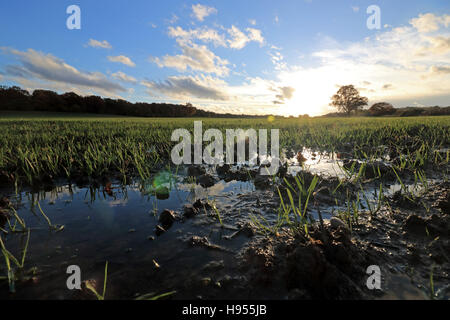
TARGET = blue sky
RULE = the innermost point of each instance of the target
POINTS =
(282, 57)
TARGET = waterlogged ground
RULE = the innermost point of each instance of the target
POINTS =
(223, 233)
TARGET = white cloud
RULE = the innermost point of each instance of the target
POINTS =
(196, 58)
(204, 34)
(252, 22)
(440, 70)
(99, 44)
(188, 87)
(37, 68)
(255, 35)
(122, 59)
(123, 77)
(429, 22)
(355, 9)
(253, 96)
(239, 39)
(278, 60)
(200, 12)
(438, 45)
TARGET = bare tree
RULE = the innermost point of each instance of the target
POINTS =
(348, 99)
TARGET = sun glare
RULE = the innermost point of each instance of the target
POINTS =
(311, 95)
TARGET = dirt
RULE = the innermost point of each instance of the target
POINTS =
(202, 255)
(331, 262)
(196, 241)
(167, 218)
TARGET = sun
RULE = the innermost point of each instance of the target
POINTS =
(313, 90)
(312, 102)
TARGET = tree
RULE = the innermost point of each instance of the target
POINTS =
(43, 100)
(347, 99)
(381, 109)
(74, 102)
(190, 110)
(14, 98)
(94, 104)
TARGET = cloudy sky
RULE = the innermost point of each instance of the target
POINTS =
(255, 56)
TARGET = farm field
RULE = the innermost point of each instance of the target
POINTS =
(98, 191)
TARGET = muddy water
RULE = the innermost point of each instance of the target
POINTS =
(321, 163)
(117, 223)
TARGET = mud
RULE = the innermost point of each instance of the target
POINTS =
(330, 262)
(195, 233)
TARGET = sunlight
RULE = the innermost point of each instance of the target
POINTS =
(313, 90)
(311, 104)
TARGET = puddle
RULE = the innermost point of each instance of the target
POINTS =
(412, 189)
(325, 164)
(117, 224)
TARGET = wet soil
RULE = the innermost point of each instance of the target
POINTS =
(194, 232)
(330, 262)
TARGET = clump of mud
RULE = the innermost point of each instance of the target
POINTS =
(323, 264)
(410, 242)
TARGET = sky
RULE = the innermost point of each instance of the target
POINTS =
(255, 56)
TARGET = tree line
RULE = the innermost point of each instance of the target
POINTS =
(348, 101)
(17, 99)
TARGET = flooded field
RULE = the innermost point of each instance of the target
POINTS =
(228, 232)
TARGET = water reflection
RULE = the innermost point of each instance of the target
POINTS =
(114, 222)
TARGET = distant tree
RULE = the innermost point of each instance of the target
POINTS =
(73, 102)
(410, 112)
(14, 98)
(381, 109)
(189, 109)
(47, 100)
(347, 99)
(19, 90)
(94, 104)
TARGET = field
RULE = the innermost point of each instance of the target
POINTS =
(351, 192)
